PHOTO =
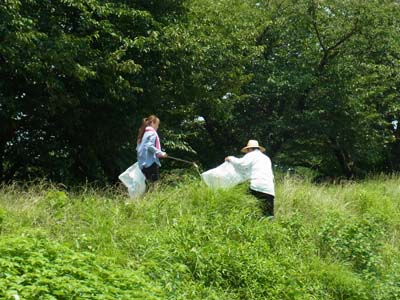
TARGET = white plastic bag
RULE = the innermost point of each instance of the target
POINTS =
(223, 176)
(134, 180)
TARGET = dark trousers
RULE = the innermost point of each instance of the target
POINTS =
(152, 173)
(267, 202)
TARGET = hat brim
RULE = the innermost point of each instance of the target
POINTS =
(245, 149)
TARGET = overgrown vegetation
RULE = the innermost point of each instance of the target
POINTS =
(185, 241)
(316, 82)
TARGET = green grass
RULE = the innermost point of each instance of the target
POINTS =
(185, 241)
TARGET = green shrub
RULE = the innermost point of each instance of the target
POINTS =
(40, 269)
(56, 199)
(353, 241)
(335, 281)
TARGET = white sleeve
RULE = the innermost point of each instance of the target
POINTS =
(243, 162)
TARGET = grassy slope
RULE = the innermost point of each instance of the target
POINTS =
(189, 242)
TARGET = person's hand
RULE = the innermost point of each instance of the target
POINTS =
(163, 155)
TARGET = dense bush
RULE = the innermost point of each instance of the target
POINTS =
(41, 269)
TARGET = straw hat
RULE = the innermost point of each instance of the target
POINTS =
(252, 144)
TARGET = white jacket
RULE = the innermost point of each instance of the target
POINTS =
(257, 167)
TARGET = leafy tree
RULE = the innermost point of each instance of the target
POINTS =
(315, 81)
(213, 44)
(73, 84)
(326, 86)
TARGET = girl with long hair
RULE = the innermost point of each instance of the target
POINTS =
(149, 148)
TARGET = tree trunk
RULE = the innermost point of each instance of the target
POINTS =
(6, 134)
(343, 158)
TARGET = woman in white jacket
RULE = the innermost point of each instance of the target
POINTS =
(258, 168)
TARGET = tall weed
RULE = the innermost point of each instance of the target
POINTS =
(190, 242)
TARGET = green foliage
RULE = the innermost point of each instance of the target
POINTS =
(316, 82)
(355, 242)
(337, 282)
(74, 84)
(324, 86)
(185, 241)
(56, 199)
(2, 216)
(213, 44)
(41, 269)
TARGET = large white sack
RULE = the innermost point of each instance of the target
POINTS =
(223, 176)
(134, 180)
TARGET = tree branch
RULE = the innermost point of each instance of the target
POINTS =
(315, 26)
(345, 37)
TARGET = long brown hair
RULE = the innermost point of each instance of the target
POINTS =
(146, 122)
